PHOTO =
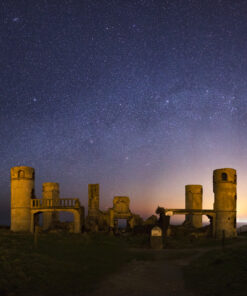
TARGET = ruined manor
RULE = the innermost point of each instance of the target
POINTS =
(25, 207)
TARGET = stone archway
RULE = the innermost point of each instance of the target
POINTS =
(76, 212)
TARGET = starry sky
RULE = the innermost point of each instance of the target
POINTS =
(141, 96)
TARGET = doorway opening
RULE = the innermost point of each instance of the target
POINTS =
(121, 225)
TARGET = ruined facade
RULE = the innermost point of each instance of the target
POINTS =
(25, 206)
(223, 215)
(108, 220)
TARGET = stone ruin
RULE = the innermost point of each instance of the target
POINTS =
(25, 207)
(108, 220)
(223, 215)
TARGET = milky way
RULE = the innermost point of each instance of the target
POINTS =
(142, 97)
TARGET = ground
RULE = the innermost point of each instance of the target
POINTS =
(101, 264)
(161, 276)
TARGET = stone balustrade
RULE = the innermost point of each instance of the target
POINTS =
(64, 203)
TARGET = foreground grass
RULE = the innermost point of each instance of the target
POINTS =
(64, 264)
(219, 272)
(69, 264)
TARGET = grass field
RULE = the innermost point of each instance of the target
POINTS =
(219, 272)
(68, 264)
(64, 264)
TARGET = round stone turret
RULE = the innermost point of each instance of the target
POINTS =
(193, 201)
(225, 201)
(22, 191)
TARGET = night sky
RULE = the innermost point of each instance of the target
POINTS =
(141, 96)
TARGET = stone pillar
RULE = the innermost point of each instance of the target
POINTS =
(51, 192)
(193, 201)
(22, 191)
(77, 222)
(32, 224)
(111, 218)
(93, 199)
(225, 200)
(82, 212)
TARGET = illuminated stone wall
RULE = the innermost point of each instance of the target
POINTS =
(193, 201)
(22, 190)
(225, 201)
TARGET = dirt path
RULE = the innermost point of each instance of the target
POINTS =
(160, 277)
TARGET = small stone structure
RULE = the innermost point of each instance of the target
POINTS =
(156, 239)
(25, 206)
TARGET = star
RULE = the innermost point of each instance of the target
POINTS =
(16, 19)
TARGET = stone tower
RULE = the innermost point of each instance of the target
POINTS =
(225, 200)
(93, 199)
(22, 191)
(50, 191)
(193, 201)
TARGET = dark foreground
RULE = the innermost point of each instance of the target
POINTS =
(67, 264)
